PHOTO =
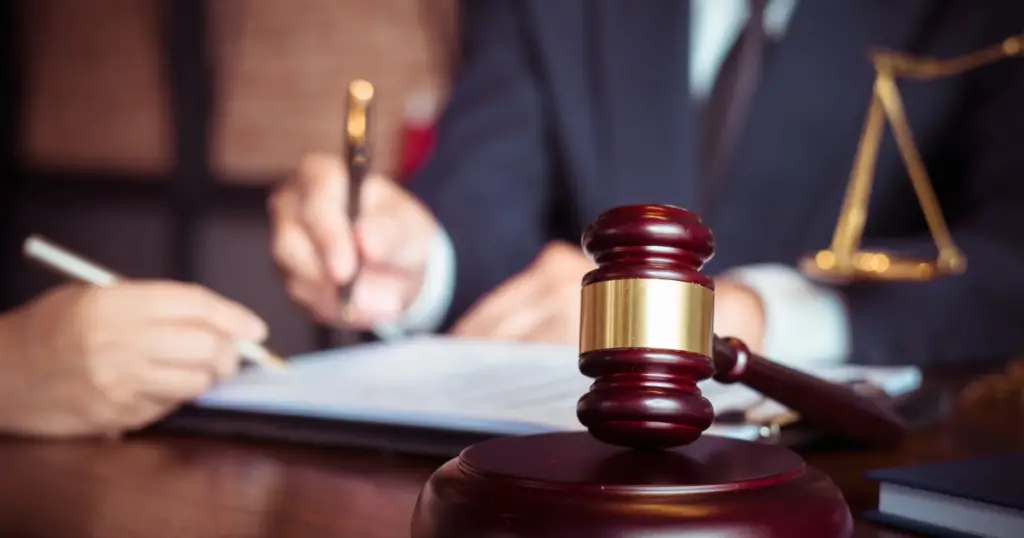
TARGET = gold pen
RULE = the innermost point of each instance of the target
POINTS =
(356, 152)
(357, 157)
(64, 262)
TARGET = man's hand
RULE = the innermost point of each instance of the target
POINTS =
(739, 313)
(84, 360)
(540, 304)
(317, 249)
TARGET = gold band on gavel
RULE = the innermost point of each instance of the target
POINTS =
(646, 313)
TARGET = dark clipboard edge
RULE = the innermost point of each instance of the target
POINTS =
(320, 432)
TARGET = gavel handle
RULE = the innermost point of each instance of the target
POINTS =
(835, 408)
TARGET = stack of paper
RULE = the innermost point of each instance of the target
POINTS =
(475, 386)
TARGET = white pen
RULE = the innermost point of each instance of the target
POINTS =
(63, 261)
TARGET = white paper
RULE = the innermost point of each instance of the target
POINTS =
(480, 386)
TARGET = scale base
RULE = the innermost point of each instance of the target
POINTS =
(878, 266)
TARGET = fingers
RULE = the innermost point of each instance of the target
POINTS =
(308, 214)
(174, 384)
(184, 362)
(509, 312)
(555, 329)
(180, 302)
(165, 301)
(559, 317)
(321, 187)
(539, 304)
(305, 278)
(320, 300)
(383, 257)
(191, 346)
(292, 247)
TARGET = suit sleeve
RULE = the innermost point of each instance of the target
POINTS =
(488, 180)
(978, 315)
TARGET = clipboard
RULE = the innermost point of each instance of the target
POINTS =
(462, 392)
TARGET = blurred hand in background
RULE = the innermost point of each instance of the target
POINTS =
(383, 256)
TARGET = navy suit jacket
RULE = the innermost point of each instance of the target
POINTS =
(563, 109)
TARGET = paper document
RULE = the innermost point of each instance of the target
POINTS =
(488, 387)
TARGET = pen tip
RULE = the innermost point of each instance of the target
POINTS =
(276, 363)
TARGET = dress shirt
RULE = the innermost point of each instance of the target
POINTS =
(805, 323)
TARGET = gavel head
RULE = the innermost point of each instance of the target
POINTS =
(646, 327)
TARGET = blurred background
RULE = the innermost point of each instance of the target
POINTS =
(145, 134)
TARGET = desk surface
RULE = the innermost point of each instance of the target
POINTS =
(159, 486)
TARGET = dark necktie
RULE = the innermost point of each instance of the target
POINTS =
(729, 101)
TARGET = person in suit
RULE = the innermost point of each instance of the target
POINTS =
(747, 112)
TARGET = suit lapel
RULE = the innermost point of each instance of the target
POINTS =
(805, 122)
(644, 120)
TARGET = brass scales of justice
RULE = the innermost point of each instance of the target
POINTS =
(844, 260)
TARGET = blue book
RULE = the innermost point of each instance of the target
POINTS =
(978, 497)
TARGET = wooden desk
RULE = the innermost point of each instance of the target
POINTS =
(158, 486)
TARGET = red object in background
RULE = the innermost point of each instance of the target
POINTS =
(417, 134)
(416, 144)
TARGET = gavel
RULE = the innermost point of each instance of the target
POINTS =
(645, 392)
(644, 466)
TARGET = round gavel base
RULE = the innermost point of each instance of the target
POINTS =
(569, 484)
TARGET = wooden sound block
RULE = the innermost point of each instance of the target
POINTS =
(570, 484)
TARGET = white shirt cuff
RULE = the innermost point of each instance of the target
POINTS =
(429, 308)
(805, 324)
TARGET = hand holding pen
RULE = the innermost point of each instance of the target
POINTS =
(352, 246)
(103, 356)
